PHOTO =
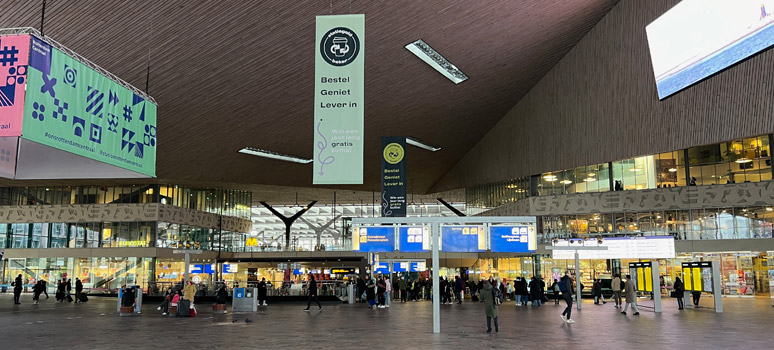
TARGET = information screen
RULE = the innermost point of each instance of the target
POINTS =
(513, 239)
(698, 38)
(414, 239)
(417, 266)
(463, 238)
(382, 268)
(649, 247)
(400, 266)
(373, 239)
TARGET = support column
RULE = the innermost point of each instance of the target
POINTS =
(434, 232)
(577, 280)
(654, 272)
(716, 288)
(186, 276)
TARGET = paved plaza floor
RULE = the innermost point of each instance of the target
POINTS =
(745, 324)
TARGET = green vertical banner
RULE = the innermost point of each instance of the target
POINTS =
(338, 99)
(394, 176)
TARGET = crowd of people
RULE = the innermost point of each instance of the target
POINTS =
(63, 290)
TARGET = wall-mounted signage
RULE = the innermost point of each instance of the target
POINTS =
(373, 239)
(400, 266)
(414, 239)
(382, 268)
(468, 238)
(417, 266)
(513, 239)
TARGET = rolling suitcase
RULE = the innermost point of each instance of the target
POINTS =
(184, 308)
(69, 299)
(83, 298)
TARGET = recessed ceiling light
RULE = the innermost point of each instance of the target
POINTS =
(274, 155)
(426, 53)
(416, 143)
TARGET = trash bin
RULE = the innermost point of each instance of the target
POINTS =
(3, 289)
(351, 293)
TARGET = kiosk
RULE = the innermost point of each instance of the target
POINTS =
(703, 276)
(646, 279)
(245, 300)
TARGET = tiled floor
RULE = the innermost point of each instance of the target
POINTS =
(746, 324)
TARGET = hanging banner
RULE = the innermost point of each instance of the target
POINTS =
(393, 176)
(338, 99)
(74, 108)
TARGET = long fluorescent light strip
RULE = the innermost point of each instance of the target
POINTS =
(422, 145)
(273, 155)
(426, 53)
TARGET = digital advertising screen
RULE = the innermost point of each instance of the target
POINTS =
(513, 239)
(414, 239)
(463, 238)
(373, 239)
(698, 38)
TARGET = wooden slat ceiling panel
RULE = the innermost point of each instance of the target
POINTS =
(230, 74)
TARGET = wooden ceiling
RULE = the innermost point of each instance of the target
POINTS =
(231, 74)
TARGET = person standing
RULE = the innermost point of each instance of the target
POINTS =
(568, 291)
(312, 290)
(68, 288)
(262, 292)
(679, 290)
(523, 291)
(490, 306)
(370, 292)
(616, 286)
(387, 292)
(189, 292)
(473, 291)
(17, 289)
(402, 287)
(535, 291)
(78, 289)
(381, 288)
(60, 291)
(361, 289)
(458, 289)
(556, 290)
(631, 296)
(696, 296)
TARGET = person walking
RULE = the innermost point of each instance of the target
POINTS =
(696, 295)
(616, 285)
(68, 288)
(60, 291)
(78, 289)
(312, 291)
(567, 290)
(262, 292)
(36, 291)
(45, 287)
(596, 291)
(679, 290)
(631, 296)
(18, 285)
(491, 308)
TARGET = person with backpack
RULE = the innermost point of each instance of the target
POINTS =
(491, 298)
(631, 296)
(565, 286)
(617, 286)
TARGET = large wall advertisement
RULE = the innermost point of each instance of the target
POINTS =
(71, 107)
(14, 53)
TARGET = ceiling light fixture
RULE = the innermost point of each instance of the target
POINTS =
(426, 53)
(566, 182)
(274, 155)
(416, 143)
(743, 160)
(549, 177)
(589, 179)
(672, 170)
(635, 169)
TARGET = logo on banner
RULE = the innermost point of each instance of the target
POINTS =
(393, 153)
(339, 46)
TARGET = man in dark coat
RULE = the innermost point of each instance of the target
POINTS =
(78, 290)
(312, 290)
(262, 292)
(458, 289)
(17, 289)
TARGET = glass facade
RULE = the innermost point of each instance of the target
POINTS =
(735, 161)
(226, 202)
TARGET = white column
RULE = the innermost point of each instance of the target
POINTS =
(717, 292)
(577, 280)
(435, 233)
(654, 273)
